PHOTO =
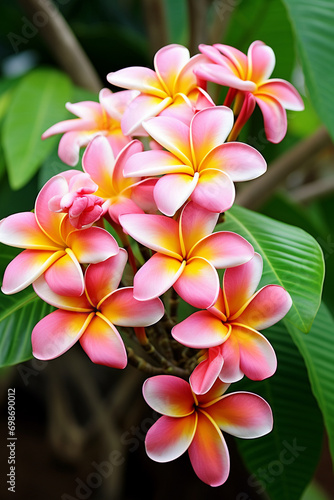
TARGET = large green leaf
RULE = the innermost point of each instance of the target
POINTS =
(291, 258)
(317, 349)
(19, 314)
(283, 462)
(38, 102)
(313, 23)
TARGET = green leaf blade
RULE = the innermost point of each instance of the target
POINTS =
(276, 470)
(38, 102)
(313, 25)
(291, 258)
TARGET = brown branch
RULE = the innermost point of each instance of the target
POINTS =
(256, 193)
(62, 43)
(313, 190)
(155, 15)
(142, 365)
(197, 12)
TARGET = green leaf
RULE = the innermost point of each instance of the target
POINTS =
(38, 102)
(291, 258)
(19, 314)
(283, 462)
(317, 349)
(313, 25)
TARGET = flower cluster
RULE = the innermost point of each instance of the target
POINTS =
(168, 199)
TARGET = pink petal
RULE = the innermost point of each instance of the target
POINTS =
(239, 161)
(103, 278)
(119, 181)
(62, 127)
(187, 79)
(198, 284)
(156, 276)
(268, 306)
(122, 309)
(169, 395)
(231, 371)
(207, 372)
(216, 391)
(240, 283)
(103, 344)
(181, 108)
(200, 331)
(261, 62)
(140, 109)
(224, 76)
(142, 195)
(138, 78)
(213, 54)
(26, 268)
(22, 231)
(224, 249)
(88, 110)
(117, 140)
(92, 245)
(208, 129)
(172, 191)
(76, 304)
(49, 221)
(98, 161)
(71, 142)
(173, 135)
(283, 92)
(195, 223)
(154, 231)
(257, 357)
(65, 277)
(170, 437)
(123, 206)
(237, 58)
(242, 414)
(208, 452)
(155, 162)
(116, 103)
(214, 191)
(274, 117)
(57, 332)
(168, 62)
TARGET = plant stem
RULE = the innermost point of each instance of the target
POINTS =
(63, 44)
(254, 195)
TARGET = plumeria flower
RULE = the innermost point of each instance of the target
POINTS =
(186, 254)
(53, 246)
(194, 423)
(228, 330)
(197, 163)
(95, 118)
(248, 79)
(91, 318)
(120, 195)
(83, 207)
(172, 88)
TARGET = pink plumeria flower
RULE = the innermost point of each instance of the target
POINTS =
(186, 254)
(248, 79)
(172, 88)
(120, 195)
(95, 118)
(194, 423)
(228, 330)
(197, 163)
(53, 246)
(91, 318)
(83, 207)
